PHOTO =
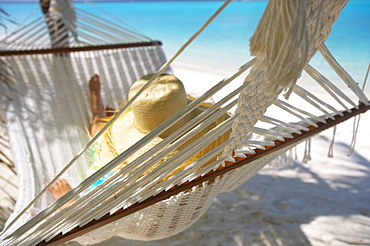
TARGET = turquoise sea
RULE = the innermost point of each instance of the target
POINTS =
(224, 45)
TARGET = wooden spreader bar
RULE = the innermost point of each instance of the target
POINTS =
(76, 232)
(78, 49)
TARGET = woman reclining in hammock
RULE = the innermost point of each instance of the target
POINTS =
(162, 99)
(61, 186)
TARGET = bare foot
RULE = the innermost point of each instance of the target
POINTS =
(96, 101)
(59, 189)
(94, 83)
(96, 105)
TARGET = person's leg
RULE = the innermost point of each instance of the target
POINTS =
(59, 188)
(97, 107)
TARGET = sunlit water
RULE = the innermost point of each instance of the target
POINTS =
(224, 44)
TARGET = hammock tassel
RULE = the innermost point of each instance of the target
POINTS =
(331, 147)
(356, 123)
(307, 151)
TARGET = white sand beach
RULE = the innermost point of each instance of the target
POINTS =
(323, 202)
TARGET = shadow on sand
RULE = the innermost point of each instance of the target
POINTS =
(276, 205)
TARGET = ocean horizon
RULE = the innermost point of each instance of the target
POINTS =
(224, 45)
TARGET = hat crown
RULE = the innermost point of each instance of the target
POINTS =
(162, 99)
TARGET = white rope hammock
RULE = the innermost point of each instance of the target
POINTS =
(48, 115)
(91, 29)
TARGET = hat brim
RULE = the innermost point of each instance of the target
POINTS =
(123, 134)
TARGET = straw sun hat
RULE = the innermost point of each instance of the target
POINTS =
(161, 100)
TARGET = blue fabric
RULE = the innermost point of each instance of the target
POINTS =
(101, 180)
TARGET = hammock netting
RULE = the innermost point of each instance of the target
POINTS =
(45, 96)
